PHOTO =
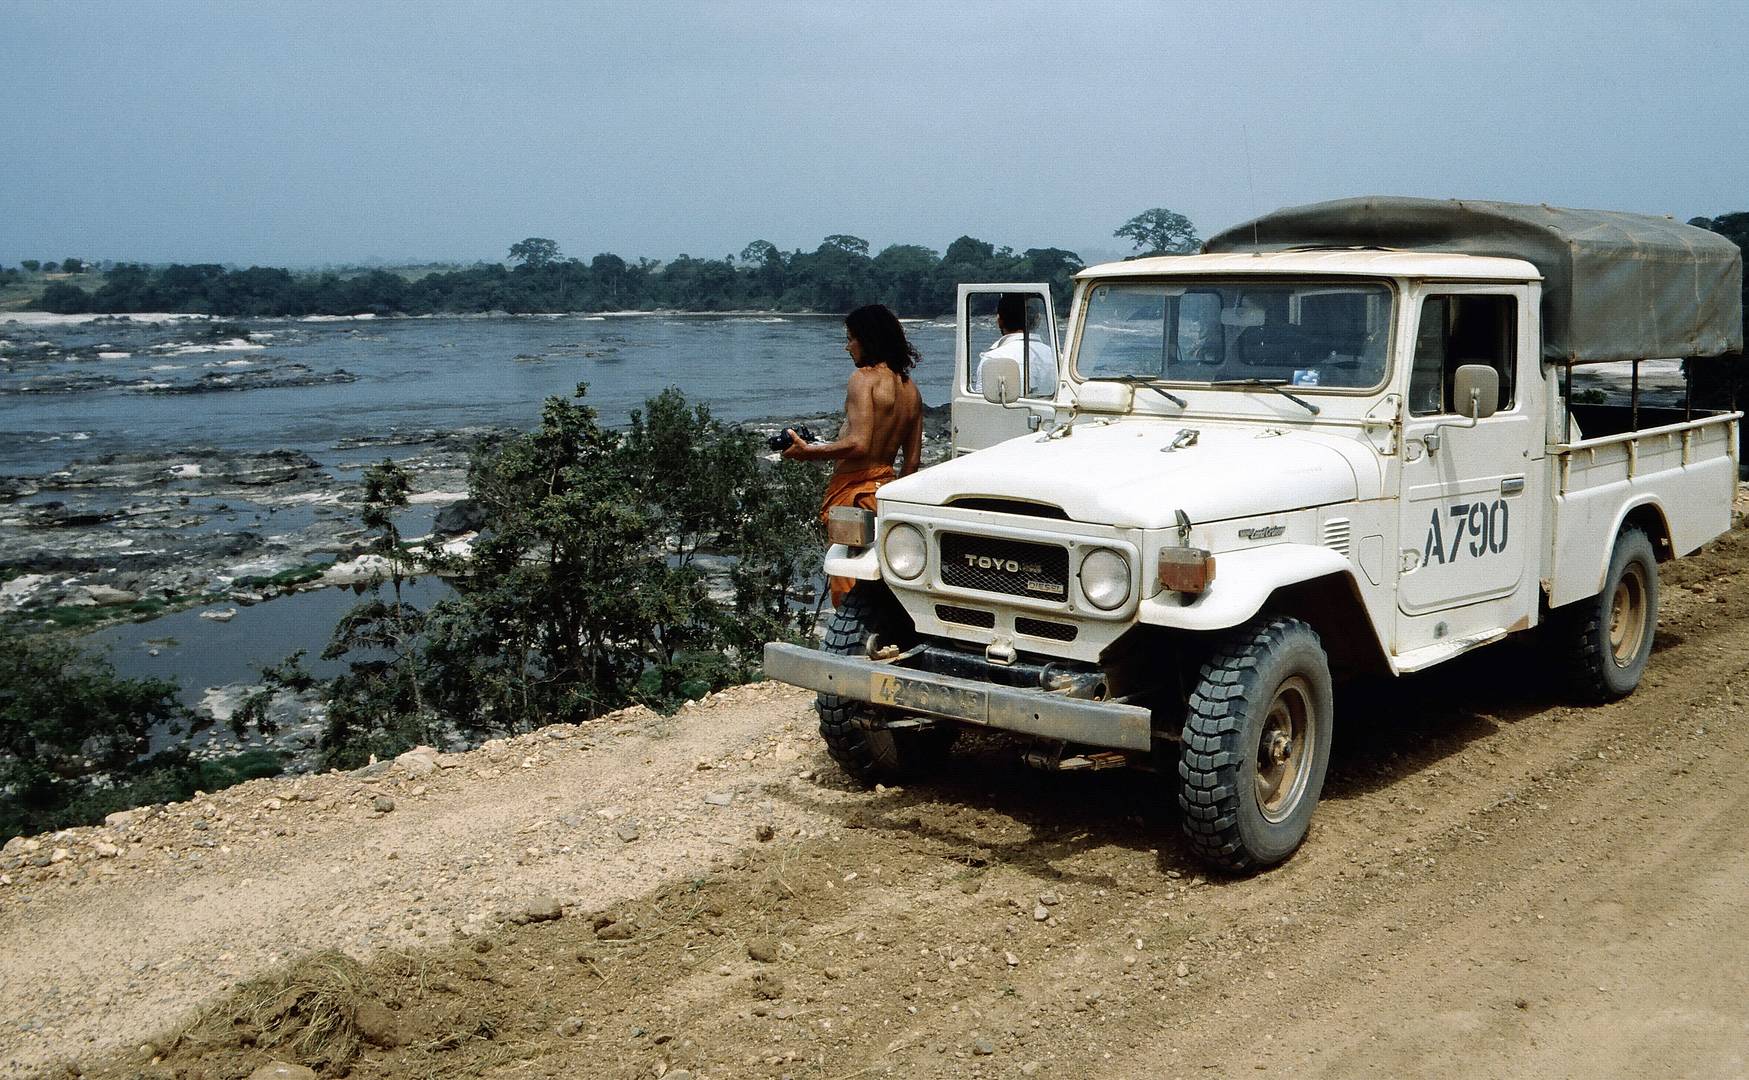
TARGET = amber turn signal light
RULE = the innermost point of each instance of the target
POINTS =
(1186, 570)
(850, 526)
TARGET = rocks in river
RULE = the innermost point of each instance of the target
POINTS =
(209, 382)
(69, 383)
(16, 487)
(461, 516)
(97, 596)
(58, 515)
(360, 571)
(456, 440)
(203, 467)
(263, 379)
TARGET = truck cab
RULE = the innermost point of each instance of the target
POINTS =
(1261, 468)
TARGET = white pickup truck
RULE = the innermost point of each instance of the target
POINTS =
(1342, 439)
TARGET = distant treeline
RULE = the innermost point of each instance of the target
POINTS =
(835, 277)
(838, 275)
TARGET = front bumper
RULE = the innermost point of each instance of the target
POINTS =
(1028, 711)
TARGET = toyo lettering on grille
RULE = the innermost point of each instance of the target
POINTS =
(1010, 567)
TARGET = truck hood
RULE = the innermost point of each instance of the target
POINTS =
(1122, 474)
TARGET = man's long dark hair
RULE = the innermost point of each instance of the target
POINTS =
(882, 338)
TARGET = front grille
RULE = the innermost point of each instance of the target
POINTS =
(1041, 628)
(965, 616)
(1009, 567)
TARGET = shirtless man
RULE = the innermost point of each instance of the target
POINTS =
(883, 414)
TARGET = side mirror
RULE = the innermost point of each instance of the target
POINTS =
(1099, 396)
(1001, 379)
(1477, 390)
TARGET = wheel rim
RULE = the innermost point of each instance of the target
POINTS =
(1627, 615)
(1284, 752)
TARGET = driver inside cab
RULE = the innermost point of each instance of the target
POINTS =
(1021, 342)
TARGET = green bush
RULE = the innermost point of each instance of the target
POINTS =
(68, 723)
(584, 592)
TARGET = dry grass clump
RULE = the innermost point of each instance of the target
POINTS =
(304, 1012)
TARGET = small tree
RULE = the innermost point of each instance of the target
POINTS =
(32, 265)
(378, 706)
(535, 252)
(73, 266)
(850, 245)
(1160, 232)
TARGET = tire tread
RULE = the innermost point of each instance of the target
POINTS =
(1228, 687)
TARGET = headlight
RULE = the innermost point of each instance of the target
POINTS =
(1105, 579)
(905, 550)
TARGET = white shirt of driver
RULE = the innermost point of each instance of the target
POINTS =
(1041, 373)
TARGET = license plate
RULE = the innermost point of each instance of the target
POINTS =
(899, 692)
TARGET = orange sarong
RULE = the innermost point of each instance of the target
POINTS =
(855, 488)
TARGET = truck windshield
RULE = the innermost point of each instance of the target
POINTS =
(1303, 334)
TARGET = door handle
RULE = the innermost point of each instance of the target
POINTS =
(1512, 485)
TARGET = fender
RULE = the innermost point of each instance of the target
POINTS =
(859, 564)
(1244, 580)
(1585, 578)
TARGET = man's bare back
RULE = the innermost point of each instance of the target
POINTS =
(883, 414)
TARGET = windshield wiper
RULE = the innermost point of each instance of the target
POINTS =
(1271, 384)
(1146, 382)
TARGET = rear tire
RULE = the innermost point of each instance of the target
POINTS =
(855, 735)
(1606, 640)
(1256, 744)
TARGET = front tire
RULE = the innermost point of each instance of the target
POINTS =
(1256, 744)
(1607, 639)
(855, 734)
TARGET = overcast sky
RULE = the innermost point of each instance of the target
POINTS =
(309, 132)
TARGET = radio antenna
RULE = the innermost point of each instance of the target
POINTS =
(1250, 185)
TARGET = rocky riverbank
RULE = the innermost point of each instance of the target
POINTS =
(187, 542)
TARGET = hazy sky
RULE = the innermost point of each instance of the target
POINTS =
(309, 132)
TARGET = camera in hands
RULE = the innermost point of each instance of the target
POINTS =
(780, 442)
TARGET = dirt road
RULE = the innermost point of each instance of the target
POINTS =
(1496, 885)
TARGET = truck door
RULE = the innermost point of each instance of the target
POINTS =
(1019, 320)
(1470, 520)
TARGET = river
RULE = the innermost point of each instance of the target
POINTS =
(97, 387)
(82, 389)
